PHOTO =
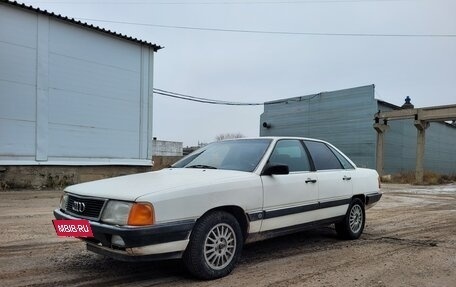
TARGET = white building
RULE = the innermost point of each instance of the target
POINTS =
(72, 93)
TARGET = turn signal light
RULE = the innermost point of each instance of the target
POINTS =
(141, 214)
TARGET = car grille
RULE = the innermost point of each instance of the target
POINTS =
(85, 206)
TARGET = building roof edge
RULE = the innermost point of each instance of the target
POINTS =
(70, 20)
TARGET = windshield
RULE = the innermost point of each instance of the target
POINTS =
(242, 155)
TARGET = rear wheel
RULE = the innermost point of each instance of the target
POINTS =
(215, 246)
(352, 226)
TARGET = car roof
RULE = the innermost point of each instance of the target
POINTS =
(278, 138)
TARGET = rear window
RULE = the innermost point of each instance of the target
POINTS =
(345, 163)
(322, 156)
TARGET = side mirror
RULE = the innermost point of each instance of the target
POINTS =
(276, 169)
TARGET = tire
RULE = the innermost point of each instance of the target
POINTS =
(352, 226)
(215, 246)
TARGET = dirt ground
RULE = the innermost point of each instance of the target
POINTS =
(409, 240)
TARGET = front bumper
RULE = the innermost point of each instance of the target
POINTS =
(160, 241)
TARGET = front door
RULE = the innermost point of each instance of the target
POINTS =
(291, 198)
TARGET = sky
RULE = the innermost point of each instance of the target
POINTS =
(261, 67)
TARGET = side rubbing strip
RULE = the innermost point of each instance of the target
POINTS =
(297, 209)
(292, 210)
(334, 203)
(254, 216)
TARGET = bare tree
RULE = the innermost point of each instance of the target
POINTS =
(226, 136)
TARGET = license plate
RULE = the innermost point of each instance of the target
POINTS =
(73, 228)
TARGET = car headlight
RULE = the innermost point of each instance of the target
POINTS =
(116, 212)
(64, 201)
(128, 213)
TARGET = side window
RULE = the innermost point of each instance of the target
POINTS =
(345, 163)
(322, 156)
(291, 153)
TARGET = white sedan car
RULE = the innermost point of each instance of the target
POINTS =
(206, 206)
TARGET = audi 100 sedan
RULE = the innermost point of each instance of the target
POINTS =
(205, 207)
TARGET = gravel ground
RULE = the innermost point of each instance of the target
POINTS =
(409, 240)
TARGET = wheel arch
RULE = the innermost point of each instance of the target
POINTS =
(238, 213)
(362, 197)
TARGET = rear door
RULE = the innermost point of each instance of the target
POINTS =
(335, 178)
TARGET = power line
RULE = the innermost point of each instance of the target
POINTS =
(274, 32)
(222, 2)
(230, 103)
(201, 100)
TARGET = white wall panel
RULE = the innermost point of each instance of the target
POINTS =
(17, 101)
(17, 83)
(95, 47)
(70, 108)
(93, 92)
(18, 64)
(17, 138)
(90, 142)
(71, 74)
(17, 27)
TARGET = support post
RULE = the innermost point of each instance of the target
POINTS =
(422, 118)
(42, 90)
(381, 129)
(420, 144)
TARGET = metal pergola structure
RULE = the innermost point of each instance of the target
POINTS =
(422, 117)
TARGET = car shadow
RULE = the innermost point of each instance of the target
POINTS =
(98, 270)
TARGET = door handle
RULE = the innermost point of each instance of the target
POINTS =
(311, 180)
(346, 177)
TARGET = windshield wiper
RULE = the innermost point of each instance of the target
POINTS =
(201, 166)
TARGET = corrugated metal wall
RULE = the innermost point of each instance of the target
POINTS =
(343, 118)
(400, 146)
(440, 152)
(71, 94)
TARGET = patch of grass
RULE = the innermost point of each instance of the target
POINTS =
(429, 178)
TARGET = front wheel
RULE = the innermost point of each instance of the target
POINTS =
(215, 246)
(352, 225)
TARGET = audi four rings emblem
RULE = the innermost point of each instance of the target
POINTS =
(78, 206)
